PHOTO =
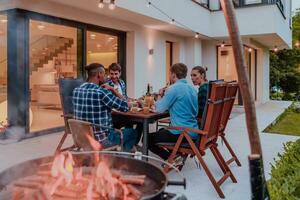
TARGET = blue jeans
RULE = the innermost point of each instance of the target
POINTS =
(129, 138)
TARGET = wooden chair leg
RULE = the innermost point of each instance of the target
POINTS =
(174, 152)
(62, 140)
(205, 167)
(215, 154)
(234, 157)
(224, 164)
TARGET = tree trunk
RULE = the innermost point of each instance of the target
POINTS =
(257, 178)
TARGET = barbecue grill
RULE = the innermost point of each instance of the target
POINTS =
(153, 187)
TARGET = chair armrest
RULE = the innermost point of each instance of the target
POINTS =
(185, 129)
(67, 116)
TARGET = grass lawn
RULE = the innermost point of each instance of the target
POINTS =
(288, 124)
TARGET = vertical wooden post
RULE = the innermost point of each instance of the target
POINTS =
(258, 183)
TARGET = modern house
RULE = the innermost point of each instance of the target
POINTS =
(43, 40)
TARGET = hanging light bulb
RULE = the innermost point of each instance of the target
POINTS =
(149, 4)
(275, 48)
(172, 21)
(297, 44)
(250, 49)
(223, 44)
(112, 5)
(197, 35)
(101, 4)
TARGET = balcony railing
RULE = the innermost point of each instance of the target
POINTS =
(214, 5)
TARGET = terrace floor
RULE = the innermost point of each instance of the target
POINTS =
(198, 184)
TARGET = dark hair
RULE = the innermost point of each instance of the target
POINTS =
(201, 70)
(93, 68)
(115, 67)
(179, 69)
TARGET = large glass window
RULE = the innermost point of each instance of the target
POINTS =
(3, 68)
(53, 55)
(101, 48)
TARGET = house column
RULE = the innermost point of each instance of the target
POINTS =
(193, 53)
(18, 70)
(263, 75)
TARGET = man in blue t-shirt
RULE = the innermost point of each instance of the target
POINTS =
(180, 99)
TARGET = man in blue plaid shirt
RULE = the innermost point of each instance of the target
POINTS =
(94, 104)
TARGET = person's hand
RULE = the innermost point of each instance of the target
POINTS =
(162, 91)
(108, 87)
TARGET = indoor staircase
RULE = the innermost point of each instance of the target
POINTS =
(46, 49)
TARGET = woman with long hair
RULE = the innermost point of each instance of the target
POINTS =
(198, 76)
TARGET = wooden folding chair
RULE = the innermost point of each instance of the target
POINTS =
(66, 87)
(231, 91)
(163, 123)
(207, 138)
(83, 136)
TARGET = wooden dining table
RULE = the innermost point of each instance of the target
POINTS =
(140, 117)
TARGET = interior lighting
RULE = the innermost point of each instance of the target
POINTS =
(41, 27)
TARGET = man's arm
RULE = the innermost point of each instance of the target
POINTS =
(115, 92)
(167, 101)
(114, 102)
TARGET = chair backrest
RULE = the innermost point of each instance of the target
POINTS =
(201, 125)
(213, 113)
(83, 136)
(66, 87)
(231, 91)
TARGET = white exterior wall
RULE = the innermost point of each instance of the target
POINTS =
(209, 56)
(143, 68)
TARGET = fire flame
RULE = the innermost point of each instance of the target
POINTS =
(101, 183)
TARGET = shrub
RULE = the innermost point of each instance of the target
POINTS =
(296, 107)
(276, 95)
(285, 174)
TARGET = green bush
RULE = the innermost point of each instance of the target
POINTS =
(296, 107)
(285, 174)
(276, 95)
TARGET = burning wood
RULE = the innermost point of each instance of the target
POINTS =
(63, 181)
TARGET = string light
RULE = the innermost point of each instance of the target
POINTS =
(172, 21)
(149, 4)
(250, 49)
(275, 48)
(297, 44)
(197, 35)
(101, 4)
(112, 5)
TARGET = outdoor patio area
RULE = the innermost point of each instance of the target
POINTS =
(198, 184)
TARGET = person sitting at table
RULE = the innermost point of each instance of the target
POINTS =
(181, 101)
(116, 84)
(198, 76)
(94, 104)
(115, 80)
